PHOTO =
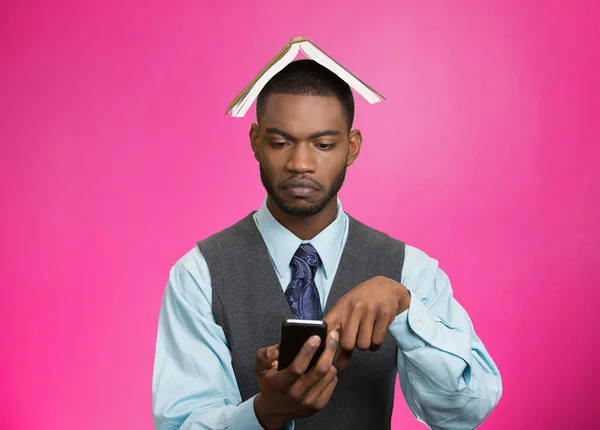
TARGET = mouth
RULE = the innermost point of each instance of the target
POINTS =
(300, 191)
(300, 184)
(300, 188)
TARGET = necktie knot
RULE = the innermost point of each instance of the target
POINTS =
(305, 262)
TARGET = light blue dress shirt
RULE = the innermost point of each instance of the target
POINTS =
(447, 377)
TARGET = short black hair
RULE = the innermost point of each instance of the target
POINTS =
(308, 78)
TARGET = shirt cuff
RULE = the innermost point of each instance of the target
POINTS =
(417, 326)
(410, 327)
(246, 418)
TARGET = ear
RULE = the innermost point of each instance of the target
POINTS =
(355, 142)
(254, 136)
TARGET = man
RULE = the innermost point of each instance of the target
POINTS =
(301, 255)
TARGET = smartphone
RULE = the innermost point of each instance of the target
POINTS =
(294, 334)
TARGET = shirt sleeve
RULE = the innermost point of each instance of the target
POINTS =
(194, 386)
(448, 378)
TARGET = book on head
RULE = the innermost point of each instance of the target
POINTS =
(240, 105)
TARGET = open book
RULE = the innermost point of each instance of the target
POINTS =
(240, 105)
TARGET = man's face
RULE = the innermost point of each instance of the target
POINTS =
(303, 148)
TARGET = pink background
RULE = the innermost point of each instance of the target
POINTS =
(116, 156)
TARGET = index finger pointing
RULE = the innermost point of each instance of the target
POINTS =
(333, 319)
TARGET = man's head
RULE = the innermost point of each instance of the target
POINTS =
(303, 139)
(308, 78)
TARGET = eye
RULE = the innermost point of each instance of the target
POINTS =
(278, 143)
(324, 146)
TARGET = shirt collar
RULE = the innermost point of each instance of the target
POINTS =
(282, 243)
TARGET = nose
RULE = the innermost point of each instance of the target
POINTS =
(301, 159)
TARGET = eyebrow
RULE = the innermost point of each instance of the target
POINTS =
(273, 130)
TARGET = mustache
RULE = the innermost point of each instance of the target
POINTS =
(301, 181)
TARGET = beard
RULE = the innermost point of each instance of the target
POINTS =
(303, 211)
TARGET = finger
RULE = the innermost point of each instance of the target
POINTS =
(315, 400)
(273, 353)
(380, 329)
(326, 394)
(343, 359)
(298, 367)
(317, 390)
(365, 332)
(323, 366)
(350, 329)
(333, 318)
(265, 358)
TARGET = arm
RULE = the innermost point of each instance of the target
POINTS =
(447, 377)
(193, 385)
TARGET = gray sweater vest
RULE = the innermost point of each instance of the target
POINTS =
(249, 304)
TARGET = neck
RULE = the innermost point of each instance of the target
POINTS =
(307, 227)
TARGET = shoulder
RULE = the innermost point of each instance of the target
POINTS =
(416, 261)
(192, 262)
(373, 236)
(189, 279)
(229, 235)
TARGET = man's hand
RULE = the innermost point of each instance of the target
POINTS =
(364, 314)
(293, 392)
